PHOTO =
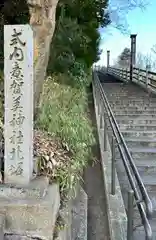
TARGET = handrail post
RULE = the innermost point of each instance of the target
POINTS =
(108, 60)
(127, 75)
(101, 120)
(105, 133)
(95, 93)
(138, 77)
(113, 167)
(130, 215)
(98, 104)
(147, 78)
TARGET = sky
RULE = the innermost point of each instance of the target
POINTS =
(137, 21)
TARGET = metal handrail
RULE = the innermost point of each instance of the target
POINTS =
(134, 168)
(124, 149)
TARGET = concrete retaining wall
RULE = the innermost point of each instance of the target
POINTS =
(115, 207)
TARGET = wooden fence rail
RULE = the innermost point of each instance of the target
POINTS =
(142, 77)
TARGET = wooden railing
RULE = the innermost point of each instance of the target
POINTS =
(142, 77)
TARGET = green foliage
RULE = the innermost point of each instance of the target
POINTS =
(76, 36)
(124, 58)
(11, 12)
(14, 12)
(63, 112)
(88, 10)
(1, 101)
(78, 75)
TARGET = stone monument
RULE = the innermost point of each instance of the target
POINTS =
(28, 205)
(18, 128)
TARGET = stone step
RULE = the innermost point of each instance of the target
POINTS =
(135, 116)
(133, 133)
(152, 196)
(141, 142)
(149, 179)
(150, 183)
(135, 112)
(132, 108)
(143, 153)
(139, 233)
(123, 94)
(149, 170)
(126, 98)
(145, 163)
(128, 102)
(125, 89)
(124, 184)
(137, 217)
(136, 121)
(125, 105)
(130, 92)
(140, 153)
(137, 127)
(127, 92)
(133, 96)
(146, 171)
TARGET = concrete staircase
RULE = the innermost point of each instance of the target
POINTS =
(135, 112)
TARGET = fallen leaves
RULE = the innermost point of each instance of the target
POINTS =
(51, 154)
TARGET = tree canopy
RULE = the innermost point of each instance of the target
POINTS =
(11, 12)
(76, 36)
(124, 57)
(76, 39)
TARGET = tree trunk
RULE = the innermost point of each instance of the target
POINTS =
(42, 20)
